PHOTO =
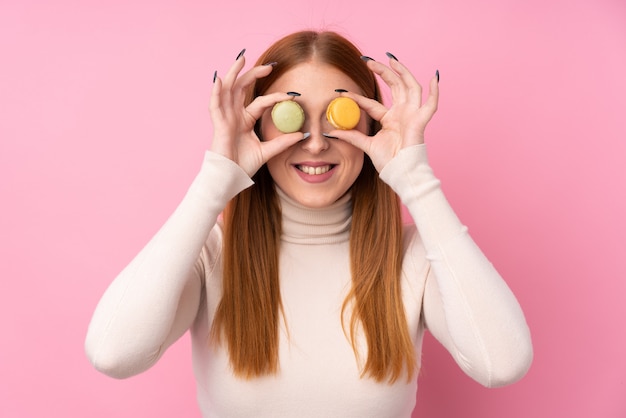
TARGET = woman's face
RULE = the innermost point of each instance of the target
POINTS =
(318, 170)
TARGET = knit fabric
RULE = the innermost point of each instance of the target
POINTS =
(174, 284)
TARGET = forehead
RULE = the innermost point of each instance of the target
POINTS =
(313, 77)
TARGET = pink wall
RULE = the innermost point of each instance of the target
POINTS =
(103, 121)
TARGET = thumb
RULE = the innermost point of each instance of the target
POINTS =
(353, 137)
(279, 144)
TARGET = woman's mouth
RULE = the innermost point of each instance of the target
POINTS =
(314, 171)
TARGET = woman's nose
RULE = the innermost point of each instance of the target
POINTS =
(316, 142)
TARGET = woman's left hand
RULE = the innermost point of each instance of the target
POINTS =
(403, 124)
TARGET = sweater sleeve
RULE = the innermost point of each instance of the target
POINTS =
(154, 300)
(467, 306)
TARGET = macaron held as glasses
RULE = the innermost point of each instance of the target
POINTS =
(342, 113)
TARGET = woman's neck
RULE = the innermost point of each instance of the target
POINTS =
(302, 225)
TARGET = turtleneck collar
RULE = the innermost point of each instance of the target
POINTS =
(302, 225)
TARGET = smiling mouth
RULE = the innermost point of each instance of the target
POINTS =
(314, 171)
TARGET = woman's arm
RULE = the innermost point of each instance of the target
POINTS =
(467, 306)
(154, 300)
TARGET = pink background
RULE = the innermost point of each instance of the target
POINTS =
(103, 122)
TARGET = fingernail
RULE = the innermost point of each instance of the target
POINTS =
(305, 136)
(214, 76)
(243, 51)
(293, 93)
(366, 58)
(437, 74)
(341, 90)
(324, 134)
(273, 63)
(390, 55)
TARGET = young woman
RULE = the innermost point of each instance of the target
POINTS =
(309, 297)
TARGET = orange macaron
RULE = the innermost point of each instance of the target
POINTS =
(343, 113)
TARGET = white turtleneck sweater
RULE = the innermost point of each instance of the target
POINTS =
(174, 285)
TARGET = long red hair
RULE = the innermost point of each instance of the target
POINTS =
(248, 316)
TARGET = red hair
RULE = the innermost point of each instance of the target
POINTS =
(248, 316)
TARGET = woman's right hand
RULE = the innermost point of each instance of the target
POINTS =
(233, 123)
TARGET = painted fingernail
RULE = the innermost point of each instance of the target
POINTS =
(293, 93)
(305, 136)
(390, 55)
(214, 76)
(437, 74)
(341, 90)
(272, 64)
(324, 134)
(366, 58)
(243, 51)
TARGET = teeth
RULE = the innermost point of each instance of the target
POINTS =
(314, 171)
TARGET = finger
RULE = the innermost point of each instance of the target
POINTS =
(247, 79)
(215, 102)
(373, 108)
(225, 98)
(261, 103)
(353, 137)
(412, 86)
(279, 144)
(225, 90)
(391, 78)
(432, 102)
(233, 71)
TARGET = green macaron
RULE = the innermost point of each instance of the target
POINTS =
(288, 116)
